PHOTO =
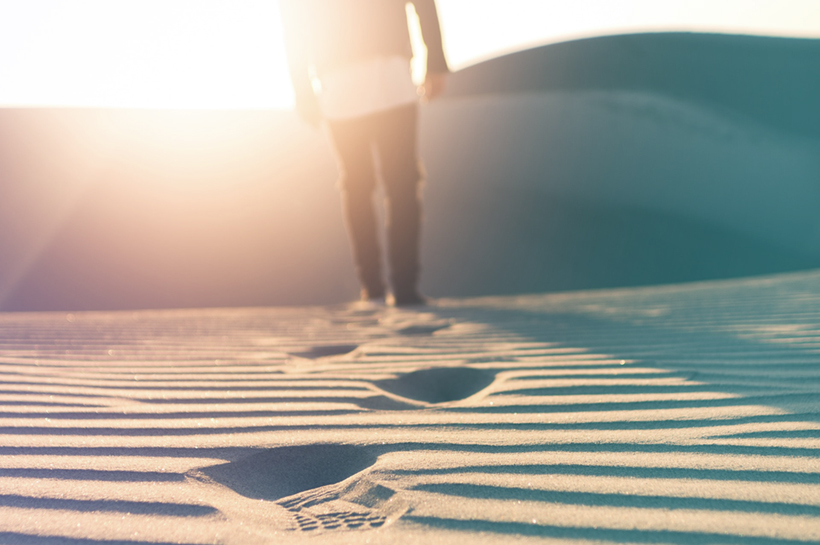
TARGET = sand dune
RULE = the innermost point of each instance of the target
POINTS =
(766, 80)
(675, 414)
(710, 140)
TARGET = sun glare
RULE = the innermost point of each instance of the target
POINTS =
(142, 53)
(222, 54)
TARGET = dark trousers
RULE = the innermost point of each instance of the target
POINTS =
(389, 136)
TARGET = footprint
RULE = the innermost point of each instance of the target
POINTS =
(357, 505)
(326, 351)
(356, 322)
(385, 403)
(345, 520)
(438, 384)
(421, 329)
(281, 472)
(317, 484)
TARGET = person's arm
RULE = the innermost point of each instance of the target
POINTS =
(437, 69)
(295, 28)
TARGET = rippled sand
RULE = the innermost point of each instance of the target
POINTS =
(679, 414)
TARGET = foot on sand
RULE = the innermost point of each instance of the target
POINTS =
(408, 298)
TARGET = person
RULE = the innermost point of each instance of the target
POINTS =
(350, 67)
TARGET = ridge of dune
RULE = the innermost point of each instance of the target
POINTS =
(680, 414)
(768, 80)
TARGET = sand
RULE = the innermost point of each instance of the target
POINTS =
(678, 414)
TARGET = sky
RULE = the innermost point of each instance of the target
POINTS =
(227, 54)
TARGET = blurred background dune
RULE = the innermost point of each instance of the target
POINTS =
(611, 161)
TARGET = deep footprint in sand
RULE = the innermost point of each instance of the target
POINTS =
(439, 384)
(277, 473)
(419, 330)
(358, 505)
(317, 352)
(313, 483)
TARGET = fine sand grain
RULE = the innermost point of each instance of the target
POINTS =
(676, 414)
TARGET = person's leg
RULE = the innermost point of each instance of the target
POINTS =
(352, 140)
(402, 176)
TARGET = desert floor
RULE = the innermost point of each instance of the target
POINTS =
(674, 414)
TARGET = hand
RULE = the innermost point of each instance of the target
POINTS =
(433, 86)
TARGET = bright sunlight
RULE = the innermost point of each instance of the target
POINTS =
(227, 54)
(142, 53)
